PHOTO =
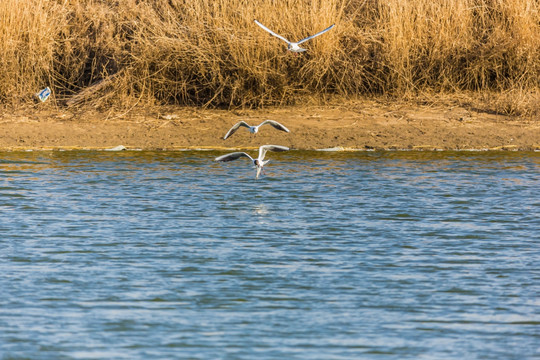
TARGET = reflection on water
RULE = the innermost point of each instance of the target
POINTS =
(387, 255)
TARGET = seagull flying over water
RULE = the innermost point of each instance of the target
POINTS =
(259, 162)
(254, 129)
(294, 46)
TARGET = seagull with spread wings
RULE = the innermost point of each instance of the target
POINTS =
(259, 162)
(294, 46)
(254, 128)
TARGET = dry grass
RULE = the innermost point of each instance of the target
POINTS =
(210, 53)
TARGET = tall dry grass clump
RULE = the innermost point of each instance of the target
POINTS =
(461, 44)
(27, 43)
(210, 53)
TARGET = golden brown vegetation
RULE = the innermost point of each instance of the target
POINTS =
(209, 52)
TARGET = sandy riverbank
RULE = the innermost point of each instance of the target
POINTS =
(354, 125)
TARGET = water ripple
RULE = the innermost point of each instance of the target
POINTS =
(387, 255)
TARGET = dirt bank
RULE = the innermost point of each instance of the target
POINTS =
(354, 125)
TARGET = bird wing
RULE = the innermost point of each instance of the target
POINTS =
(232, 156)
(317, 34)
(234, 128)
(275, 124)
(263, 149)
(271, 32)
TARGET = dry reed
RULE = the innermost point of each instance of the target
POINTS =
(210, 53)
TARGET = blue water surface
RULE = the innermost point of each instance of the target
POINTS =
(361, 255)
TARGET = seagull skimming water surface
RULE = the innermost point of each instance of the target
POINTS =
(259, 162)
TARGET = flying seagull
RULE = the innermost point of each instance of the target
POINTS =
(294, 46)
(254, 129)
(259, 162)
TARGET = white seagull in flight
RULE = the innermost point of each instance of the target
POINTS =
(254, 129)
(259, 162)
(294, 46)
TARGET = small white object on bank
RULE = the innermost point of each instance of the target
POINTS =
(117, 148)
(44, 94)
